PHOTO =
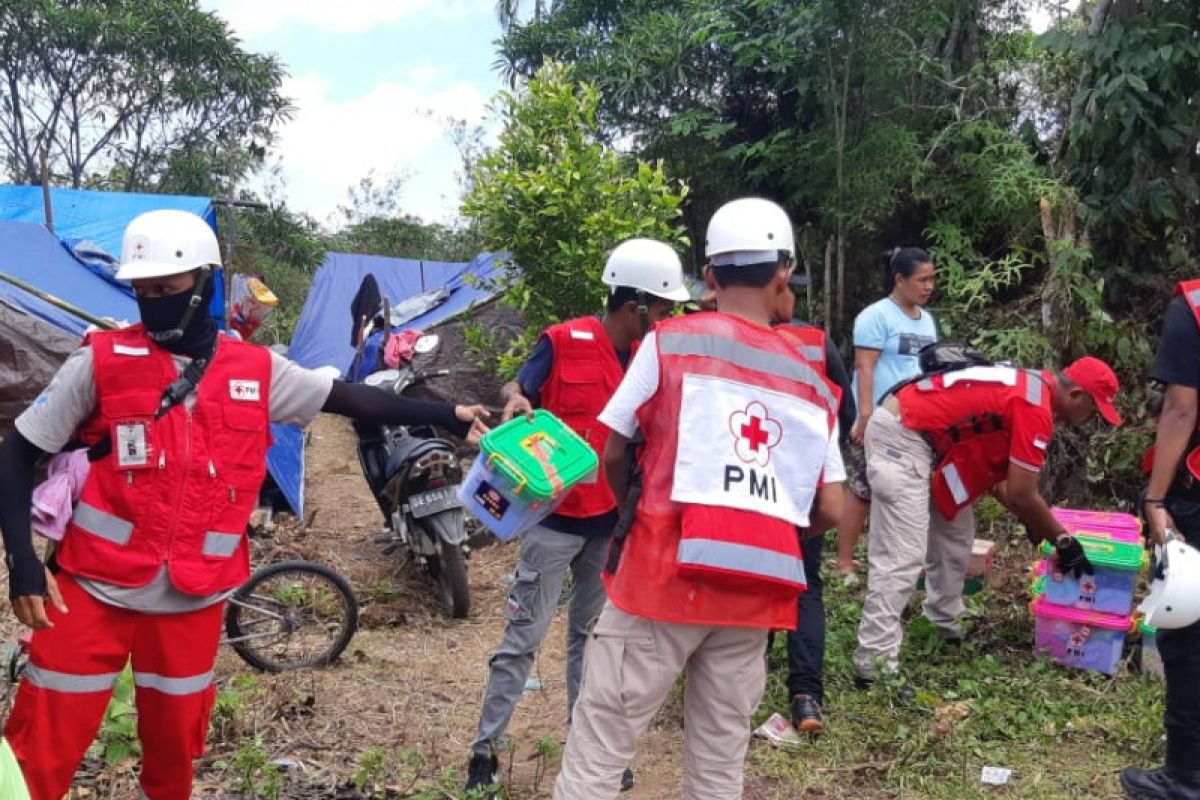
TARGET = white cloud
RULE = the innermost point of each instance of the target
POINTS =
(251, 17)
(331, 144)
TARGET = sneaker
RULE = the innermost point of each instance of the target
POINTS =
(482, 772)
(806, 714)
(1155, 784)
(627, 780)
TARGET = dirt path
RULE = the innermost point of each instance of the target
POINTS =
(412, 679)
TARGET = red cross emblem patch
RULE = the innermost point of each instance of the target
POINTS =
(755, 433)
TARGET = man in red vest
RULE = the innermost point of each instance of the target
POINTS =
(1172, 503)
(572, 372)
(933, 448)
(738, 431)
(176, 419)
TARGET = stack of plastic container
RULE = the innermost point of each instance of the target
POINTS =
(1083, 623)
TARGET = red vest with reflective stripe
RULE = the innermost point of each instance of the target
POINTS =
(584, 375)
(1191, 293)
(978, 458)
(704, 560)
(178, 489)
(810, 340)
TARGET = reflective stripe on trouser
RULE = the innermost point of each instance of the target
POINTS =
(629, 669)
(907, 532)
(546, 555)
(72, 669)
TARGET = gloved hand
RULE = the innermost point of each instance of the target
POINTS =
(1070, 558)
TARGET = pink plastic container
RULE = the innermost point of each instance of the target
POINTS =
(1076, 638)
(1100, 524)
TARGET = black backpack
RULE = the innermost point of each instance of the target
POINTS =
(938, 357)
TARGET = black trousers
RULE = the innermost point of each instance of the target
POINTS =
(1180, 650)
(806, 644)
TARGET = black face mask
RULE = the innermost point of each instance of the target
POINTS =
(162, 315)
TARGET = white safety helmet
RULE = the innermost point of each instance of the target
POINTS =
(167, 242)
(748, 231)
(1174, 599)
(648, 266)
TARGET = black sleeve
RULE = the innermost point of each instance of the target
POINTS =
(835, 368)
(371, 404)
(18, 455)
(1177, 361)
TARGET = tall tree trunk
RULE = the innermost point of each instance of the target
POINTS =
(828, 288)
(1058, 308)
(1095, 28)
(841, 275)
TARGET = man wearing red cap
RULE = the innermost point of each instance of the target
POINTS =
(934, 446)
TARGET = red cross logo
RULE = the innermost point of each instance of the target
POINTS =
(755, 433)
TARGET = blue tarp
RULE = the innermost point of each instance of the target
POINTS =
(100, 217)
(322, 336)
(31, 253)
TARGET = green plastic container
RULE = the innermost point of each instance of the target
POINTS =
(1110, 590)
(524, 470)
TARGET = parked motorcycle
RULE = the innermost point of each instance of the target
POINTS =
(414, 476)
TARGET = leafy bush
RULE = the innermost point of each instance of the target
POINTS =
(555, 197)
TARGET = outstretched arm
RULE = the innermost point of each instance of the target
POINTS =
(370, 404)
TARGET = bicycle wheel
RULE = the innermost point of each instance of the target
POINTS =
(291, 615)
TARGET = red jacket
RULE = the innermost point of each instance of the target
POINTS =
(178, 489)
(810, 340)
(1191, 293)
(978, 421)
(735, 443)
(584, 375)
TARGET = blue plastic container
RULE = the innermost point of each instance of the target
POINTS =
(1110, 589)
(524, 471)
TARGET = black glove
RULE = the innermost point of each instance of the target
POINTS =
(1070, 558)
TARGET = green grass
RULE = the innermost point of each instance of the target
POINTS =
(1064, 733)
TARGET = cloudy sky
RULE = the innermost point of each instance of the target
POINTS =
(373, 82)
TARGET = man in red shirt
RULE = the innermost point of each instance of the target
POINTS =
(933, 448)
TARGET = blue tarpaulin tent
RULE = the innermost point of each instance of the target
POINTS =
(322, 336)
(32, 254)
(100, 217)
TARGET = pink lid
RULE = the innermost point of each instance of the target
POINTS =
(1112, 525)
(1041, 608)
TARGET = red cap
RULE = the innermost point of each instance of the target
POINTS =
(1098, 380)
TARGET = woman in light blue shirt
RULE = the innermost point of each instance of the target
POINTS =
(888, 334)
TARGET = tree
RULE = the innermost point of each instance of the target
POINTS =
(124, 93)
(828, 107)
(558, 200)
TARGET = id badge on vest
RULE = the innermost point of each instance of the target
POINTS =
(746, 447)
(134, 444)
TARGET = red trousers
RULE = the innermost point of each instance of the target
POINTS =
(72, 669)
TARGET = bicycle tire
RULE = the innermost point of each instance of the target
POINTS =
(249, 607)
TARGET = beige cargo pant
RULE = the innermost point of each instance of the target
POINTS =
(629, 667)
(907, 532)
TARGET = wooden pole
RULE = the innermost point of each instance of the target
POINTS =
(54, 301)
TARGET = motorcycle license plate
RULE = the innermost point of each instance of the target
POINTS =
(428, 503)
